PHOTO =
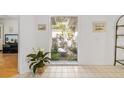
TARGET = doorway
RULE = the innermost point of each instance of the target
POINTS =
(64, 39)
(9, 45)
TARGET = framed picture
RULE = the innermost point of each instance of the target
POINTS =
(99, 26)
(41, 27)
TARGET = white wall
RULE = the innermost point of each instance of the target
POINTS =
(43, 39)
(27, 40)
(93, 48)
(96, 48)
(10, 26)
(1, 36)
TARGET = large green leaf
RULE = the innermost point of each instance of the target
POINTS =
(34, 68)
(39, 54)
(45, 54)
(33, 59)
(46, 61)
(47, 58)
(32, 55)
(32, 64)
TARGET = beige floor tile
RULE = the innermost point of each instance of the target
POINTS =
(80, 72)
(58, 75)
(51, 75)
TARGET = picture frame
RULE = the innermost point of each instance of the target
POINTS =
(41, 27)
(99, 26)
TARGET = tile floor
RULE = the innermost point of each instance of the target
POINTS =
(79, 72)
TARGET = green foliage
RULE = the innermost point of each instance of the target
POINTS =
(72, 58)
(38, 60)
(59, 26)
(74, 50)
(55, 55)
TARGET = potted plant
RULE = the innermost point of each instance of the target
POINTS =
(38, 60)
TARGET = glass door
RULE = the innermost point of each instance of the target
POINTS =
(64, 38)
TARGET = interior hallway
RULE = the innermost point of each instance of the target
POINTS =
(79, 72)
(8, 65)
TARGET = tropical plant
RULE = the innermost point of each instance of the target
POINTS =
(38, 59)
(55, 55)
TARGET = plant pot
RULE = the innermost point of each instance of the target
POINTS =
(40, 70)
